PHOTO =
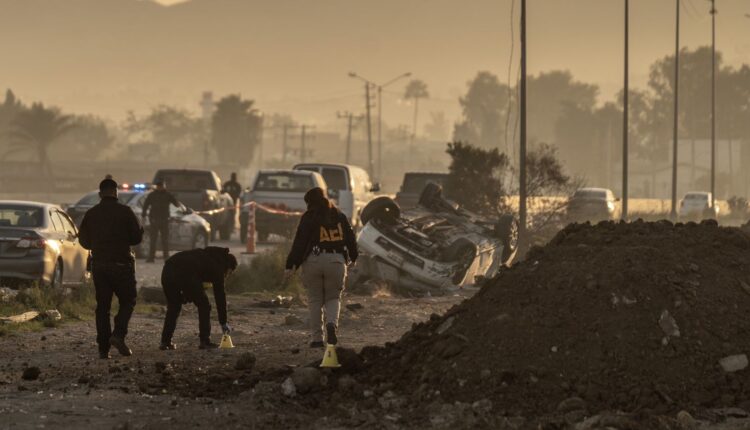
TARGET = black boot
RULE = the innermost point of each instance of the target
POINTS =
(167, 346)
(331, 334)
(122, 348)
(207, 344)
(104, 355)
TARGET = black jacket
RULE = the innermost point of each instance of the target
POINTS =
(158, 202)
(203, 265)
(109, 229)
(234, 189)
(337, 236)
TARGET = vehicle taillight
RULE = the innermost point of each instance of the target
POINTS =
(31, 243)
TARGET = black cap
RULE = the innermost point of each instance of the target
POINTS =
(107, 185)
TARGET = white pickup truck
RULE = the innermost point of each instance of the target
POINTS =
(279, 195)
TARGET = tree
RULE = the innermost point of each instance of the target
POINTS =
(438, 128)
(483, 171)
(415, 90)
(36, 129)
(236, 130)
(88, 137)
(484, 109)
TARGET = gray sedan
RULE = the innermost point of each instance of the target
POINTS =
(39, 242)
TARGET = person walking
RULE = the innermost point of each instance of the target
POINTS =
(323, 247)
(233, 188)
(182, 281)
(156, 208)
(108, 230)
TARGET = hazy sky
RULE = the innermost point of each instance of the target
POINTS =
(108, 56)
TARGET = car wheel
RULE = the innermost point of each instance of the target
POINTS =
(200, 238)
(261, 235)
(506, 230)
(380, 208)
(141, 250)
(56, 282)
(226, 230)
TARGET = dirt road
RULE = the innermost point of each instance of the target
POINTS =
(187, 387)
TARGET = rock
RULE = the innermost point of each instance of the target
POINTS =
(306, 379)
(31, 373)
(346, 383)
(686, 421)
(287, 387)
(572, 404)
(7, 294)
(745, 286)
(292, 320)
(668, 324)
(246, 361)
(445, 325)
(51, 315)
(483, 406)
(733, 363)
(355, 306)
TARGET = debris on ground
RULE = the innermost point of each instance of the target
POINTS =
(20, 318)
(31, 373)
(7, 294)
(354, 307)
(50, 315)
(152, 295)
(546, 336)
(276, 302)
(246, 361)
(293, 320)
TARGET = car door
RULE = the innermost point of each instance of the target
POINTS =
(72, 253)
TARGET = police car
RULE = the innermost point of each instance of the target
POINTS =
(187, 230)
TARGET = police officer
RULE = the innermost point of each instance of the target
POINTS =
(108, 230)
(156, 208)
(323, 246)
(233, 188)
(182, 281)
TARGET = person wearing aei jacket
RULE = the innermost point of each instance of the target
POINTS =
(323, 247)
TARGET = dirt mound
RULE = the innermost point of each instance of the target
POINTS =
(632, 317)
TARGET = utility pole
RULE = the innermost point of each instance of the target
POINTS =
(713, 102)
(370, 165)
(350, 124)
(380, 136)
(626, 90)
(522, 149)
(284, 147)
(673, 213)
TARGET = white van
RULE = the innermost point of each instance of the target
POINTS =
(350, 186)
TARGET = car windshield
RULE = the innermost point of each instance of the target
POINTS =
(187, 181)
(283, 182)
(92, 198)
(20, 216)
(335, 178)
(591, 194)
(699, 197)
(416, 183)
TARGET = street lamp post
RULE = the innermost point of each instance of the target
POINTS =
(625, 96)
(380, 113)
(713, 103)
(522, 191)
(673, 213)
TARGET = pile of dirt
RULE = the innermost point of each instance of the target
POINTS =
(631, 317)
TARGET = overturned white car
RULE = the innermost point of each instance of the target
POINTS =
(435, 245)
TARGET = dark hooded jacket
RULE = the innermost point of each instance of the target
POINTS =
(188, 270)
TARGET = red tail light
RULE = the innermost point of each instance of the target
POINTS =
(31, 243)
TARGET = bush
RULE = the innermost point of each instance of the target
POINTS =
(265, 273)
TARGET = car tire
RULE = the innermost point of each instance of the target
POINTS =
(225, 233)
(430, 193)
(380, 208)
(506, 230)
(141, 250)
(56, 281)
(261, 235)
(200, 238)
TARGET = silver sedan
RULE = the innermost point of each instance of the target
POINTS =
(39, 242)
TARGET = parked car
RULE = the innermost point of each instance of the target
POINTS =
(201, 191)
(39, 242)
(125, 194)
(187, 230)
(698, 205)
(349, 186)
(592, 204)
(280, 197)
(413, 184)
(434, 245)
